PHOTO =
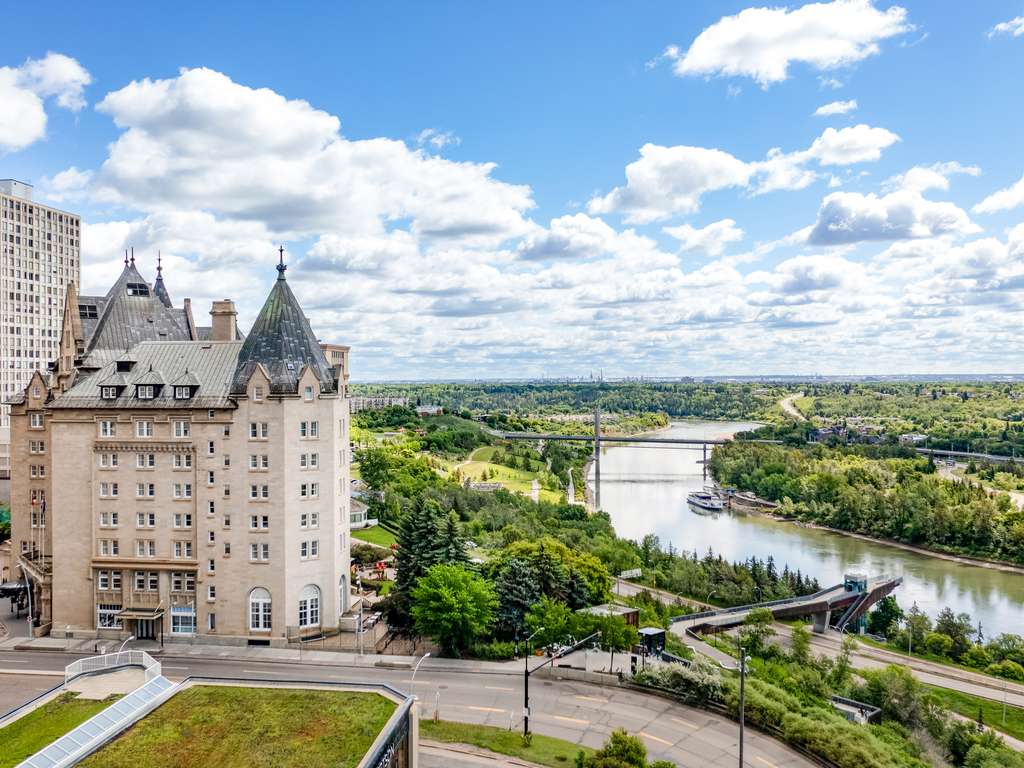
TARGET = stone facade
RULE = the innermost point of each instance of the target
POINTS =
(184, 500)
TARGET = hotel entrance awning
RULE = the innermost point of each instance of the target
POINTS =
(141, 613)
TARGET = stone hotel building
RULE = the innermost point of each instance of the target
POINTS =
(174, 480)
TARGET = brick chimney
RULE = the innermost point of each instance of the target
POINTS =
(224, 320)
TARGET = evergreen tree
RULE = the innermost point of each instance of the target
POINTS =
(451, 545)
(516, 586)
(419, 545)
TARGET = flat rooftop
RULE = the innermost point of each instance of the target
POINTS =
(237, 726)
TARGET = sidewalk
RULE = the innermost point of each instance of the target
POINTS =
(589, 660)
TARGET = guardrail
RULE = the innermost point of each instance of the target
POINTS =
(109, 661)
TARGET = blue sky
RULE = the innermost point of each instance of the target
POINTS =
(451, 181)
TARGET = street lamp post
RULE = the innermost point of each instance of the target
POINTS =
(526, 681)
(412, 682)
(128, 640)
(708, 601)
(743, 677)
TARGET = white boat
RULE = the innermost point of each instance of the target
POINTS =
(705, 500)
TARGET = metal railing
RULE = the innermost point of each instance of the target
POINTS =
(95, 664)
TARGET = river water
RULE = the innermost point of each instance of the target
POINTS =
(644, 490)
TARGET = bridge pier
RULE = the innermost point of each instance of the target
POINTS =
(820, 621)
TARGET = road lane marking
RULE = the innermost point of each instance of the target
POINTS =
(598, 699)
(267, 672)
(168, 666)
(571, 719)
(486, 709)
(655, 738)
(498, 688)
(770, 765)
(41, 672)
(686, 723)
(15, 661)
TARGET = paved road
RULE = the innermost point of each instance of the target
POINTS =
(578, 712)
(787, 406)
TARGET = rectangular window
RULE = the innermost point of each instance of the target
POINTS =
(210, 477)
(227, 549)
(314, 460)
(108, 393)
(108, 616)
(264, 551)
(146, 392)
(314, 548)
(183, 549)
(108, 428)
(211, 592)
(103, 580)
(227, 462)
(211, 448)
(211, 622)
(257, 393)
(314, 429)
(35, 420)
(145, 519)
(143, 428)
(303, 429)
(182, 519)
(304, 550)
(145, 460)
(314, 490)
(145, 548)
(227, 430)
(183, 619)
(183, 490)
(211, 537)
(227, 520)
(211, 565)
(211, 508)
(182, 428)
(314, 519)
(307, 394)
(182, 393)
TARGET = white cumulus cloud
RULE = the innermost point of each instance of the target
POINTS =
(836, 108)
(711, 239)
(851, 217)
(23, 91)
(761, 43)
(1014, 26)
(924, 177)
(1004, 200)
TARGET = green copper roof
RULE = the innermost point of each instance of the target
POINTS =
(283, 342)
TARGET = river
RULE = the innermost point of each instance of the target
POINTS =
(644, 490)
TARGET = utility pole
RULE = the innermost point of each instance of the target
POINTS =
(597, 457)
(743, 679)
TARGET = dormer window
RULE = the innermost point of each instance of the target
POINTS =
(182, 393)
(137, 289)
(87, 312)
(108, 393)
(124, 366)
(146, 391)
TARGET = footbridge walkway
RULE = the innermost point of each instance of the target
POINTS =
(839, 606)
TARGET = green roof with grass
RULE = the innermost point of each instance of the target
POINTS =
(240, 727)
(30, 733)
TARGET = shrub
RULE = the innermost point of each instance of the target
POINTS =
(698, 683)
(368, 554)
(1011, 670)
(496, 650)
(938, 644)
(976, 656)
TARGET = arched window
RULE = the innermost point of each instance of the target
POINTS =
(259, 610)
(309, 606)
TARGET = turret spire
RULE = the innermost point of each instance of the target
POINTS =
(281, 266)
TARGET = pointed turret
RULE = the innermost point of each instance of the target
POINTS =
(282, 341)
(159, 289)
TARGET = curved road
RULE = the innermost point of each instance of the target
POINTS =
(787, 406)
(578, 712)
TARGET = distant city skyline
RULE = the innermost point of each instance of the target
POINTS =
(514, 192)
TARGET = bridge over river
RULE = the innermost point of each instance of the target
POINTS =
(840, 606)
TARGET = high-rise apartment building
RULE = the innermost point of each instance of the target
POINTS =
(40, 255)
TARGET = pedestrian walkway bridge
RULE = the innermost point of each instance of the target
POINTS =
(839, 606)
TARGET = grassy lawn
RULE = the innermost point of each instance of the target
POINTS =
(232, 727)
(375, 535)
(517, 480)
(27, 735)
(991, 711)
(544, 750)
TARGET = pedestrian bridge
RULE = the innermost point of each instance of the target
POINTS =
(839, 606)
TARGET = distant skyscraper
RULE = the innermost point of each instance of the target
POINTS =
(40, 254)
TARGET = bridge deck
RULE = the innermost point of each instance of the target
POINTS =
(827, 599)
